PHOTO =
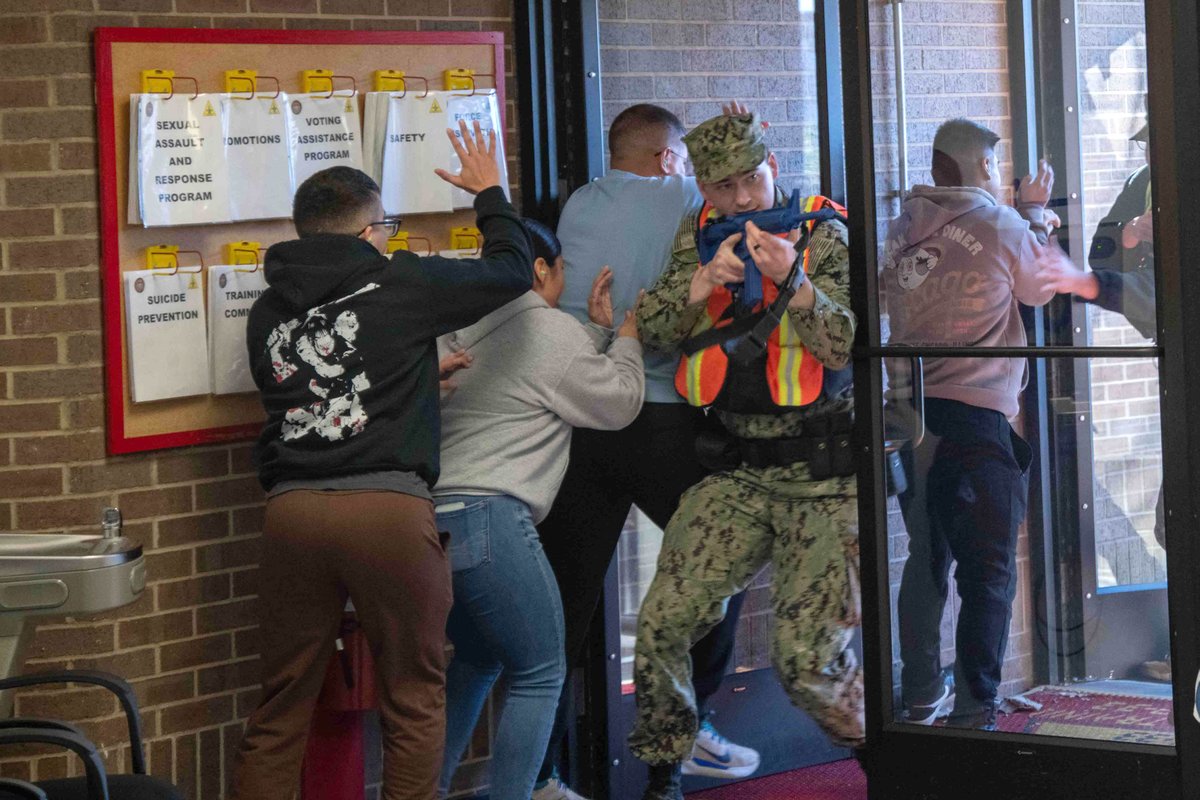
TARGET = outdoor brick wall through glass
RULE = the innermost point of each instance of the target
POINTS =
(691, 55)
(1124, 402)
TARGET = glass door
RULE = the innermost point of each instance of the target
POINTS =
(1104, 192)
(1019, 577)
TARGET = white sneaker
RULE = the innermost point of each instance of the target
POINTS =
(714, 756)
(931, 712)
(555, 789)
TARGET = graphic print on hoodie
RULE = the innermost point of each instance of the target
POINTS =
(322, 350)
(955, 265)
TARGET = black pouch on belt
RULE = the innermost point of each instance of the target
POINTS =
(717, 450)
(832, 451)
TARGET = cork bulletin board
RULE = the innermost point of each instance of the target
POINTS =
(205, 55)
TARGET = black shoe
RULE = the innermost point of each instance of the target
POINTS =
(980, 718)
(664, 782)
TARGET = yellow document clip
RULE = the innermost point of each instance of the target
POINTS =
(453, 79)
(162, 256)
(466, 237)
(238, 81)
(158, 81)
(389, 80)
(317, 81)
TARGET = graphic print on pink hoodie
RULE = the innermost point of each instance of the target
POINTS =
(956, 263)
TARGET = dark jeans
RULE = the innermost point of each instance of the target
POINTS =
(650, 463)
(967, 493)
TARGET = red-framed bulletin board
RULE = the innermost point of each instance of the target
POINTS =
(121, 55)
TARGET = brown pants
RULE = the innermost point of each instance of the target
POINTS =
(383, 550)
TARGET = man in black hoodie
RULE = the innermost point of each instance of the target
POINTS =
(342, 348)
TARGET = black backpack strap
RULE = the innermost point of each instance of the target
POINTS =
(714, 336)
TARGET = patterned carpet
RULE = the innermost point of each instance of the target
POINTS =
(1066, 711)
(1085, 714)
(837, 780)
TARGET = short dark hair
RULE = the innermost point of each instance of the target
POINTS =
(634, 122)
(545, 243)
(958, 141)
(331, 201)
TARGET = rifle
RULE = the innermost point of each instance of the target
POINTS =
(772, 220)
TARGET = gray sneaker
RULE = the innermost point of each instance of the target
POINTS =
(555, 789)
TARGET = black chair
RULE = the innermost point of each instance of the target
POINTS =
(96, 783)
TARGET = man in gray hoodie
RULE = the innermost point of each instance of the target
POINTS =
(956, 264)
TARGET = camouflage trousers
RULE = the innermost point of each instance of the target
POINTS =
(726, 529)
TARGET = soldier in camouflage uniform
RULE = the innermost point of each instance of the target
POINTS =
(739, 519)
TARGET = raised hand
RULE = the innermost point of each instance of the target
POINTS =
(1035, 189)
(599, 304)
(478, 157)
(629, 326)
(734, 108)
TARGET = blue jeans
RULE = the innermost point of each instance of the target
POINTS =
(507, 616)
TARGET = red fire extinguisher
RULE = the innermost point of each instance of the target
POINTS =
(334, 760)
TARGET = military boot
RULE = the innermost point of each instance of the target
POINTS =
(664, 782)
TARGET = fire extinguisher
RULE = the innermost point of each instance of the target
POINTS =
(334, 760)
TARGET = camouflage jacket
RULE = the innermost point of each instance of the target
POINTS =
(827, 330)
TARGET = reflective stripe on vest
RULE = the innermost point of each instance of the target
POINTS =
(793, 375)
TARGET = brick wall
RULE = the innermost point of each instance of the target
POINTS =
(690, 55)
(189, 644)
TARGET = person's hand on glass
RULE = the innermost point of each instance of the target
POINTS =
(1138, 230)
(599, 304)
(477, 154)
(1035, 189)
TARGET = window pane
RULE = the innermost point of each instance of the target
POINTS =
(1072, 654)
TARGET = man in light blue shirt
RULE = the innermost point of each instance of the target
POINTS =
(627, 220)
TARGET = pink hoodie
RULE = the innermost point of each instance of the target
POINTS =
(955, 265)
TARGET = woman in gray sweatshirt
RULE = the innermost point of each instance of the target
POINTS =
(535, 373)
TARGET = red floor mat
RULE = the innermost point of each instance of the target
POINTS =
(1094, 715)
(837, 780)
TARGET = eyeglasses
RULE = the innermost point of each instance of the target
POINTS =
(675, 153)
(392, 221)
(1140, 145)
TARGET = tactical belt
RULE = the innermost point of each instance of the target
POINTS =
(760, 453)
(825, 446)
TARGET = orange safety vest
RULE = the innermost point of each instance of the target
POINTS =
(793, 376)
